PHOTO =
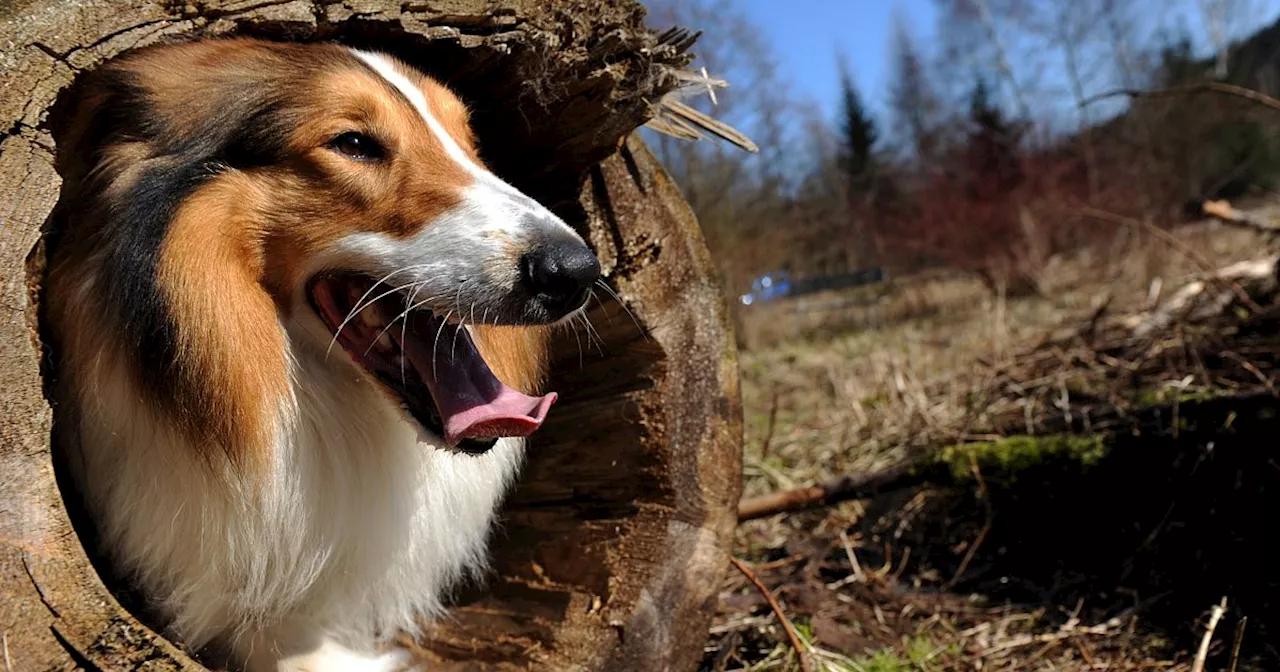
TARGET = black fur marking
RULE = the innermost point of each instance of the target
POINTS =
(133, 260)
(248, 131)
(246, 124)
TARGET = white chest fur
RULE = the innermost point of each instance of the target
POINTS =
(359, 529)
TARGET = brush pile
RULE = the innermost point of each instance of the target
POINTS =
(1095, 500)
(1215, 337)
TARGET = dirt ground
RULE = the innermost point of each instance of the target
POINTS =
(1110, 505)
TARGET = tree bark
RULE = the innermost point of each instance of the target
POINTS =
(615, 540)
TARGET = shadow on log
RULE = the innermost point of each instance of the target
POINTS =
(612, 546)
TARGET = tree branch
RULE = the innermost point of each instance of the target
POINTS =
(1188, 90)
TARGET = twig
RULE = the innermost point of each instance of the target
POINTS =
(1084, 651)
(986, 525)
(1235, 646)
(727, 649)
(1203, 653)
(773, 424)
(743, 624)
(902, 566)
(897, 477)
(806, 665)
(8, 665)
(1091, 330)
(681, 120)
(853, 558)
(1177, 91)
(783, 562)
(1250, 367)
(1154, 230)
(1020, 641)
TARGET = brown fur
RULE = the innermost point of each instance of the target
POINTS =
(234, 254)
(229, 336)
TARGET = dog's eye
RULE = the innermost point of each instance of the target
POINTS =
(358, 146)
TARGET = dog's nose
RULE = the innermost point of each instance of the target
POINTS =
(560, 274)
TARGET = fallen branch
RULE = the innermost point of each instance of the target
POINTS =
(1195, 302)
(1223, 211)
(806, 665)
(845, 488)
(1101, 420)
(1173, 241)
(1203, 653)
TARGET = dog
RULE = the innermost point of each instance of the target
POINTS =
(301, 334)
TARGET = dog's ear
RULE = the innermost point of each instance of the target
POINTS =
(143, 133)
(85, 117)
(177, 105)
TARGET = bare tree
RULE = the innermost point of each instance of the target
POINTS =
(739, 198)
(973, 25)
(1220, 18)
(912, 95)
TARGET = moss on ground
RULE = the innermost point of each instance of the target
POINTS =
(1012, 454)
(1162, 396)
(915, 654)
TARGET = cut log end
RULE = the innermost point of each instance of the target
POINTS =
(612, 545)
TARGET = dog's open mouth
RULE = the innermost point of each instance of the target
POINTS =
(430, 362)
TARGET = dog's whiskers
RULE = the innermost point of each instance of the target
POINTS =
(592, 333)
(356, 311)
(605, 309)
(404, 315)
(573, 327)
(602, 285)
(404, 332)
(462, 324)
(435, 345)
(361, 304)
(338, 331)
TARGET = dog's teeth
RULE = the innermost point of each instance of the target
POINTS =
(384, 341)
(371, 318)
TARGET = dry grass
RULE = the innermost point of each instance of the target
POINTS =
(856, 388)
(853, 399)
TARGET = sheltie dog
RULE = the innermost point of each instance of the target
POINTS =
(299, 331)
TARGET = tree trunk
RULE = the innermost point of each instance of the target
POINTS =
(614, 542)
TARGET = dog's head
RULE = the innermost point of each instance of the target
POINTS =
(239, 200)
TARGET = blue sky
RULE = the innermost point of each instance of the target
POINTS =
(808, 34)
(860, 30)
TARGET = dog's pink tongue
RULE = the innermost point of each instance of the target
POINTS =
(472, 402)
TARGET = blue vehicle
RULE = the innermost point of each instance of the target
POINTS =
(767, 287)
(777, 285)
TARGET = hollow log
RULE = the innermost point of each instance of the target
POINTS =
(611, 547)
